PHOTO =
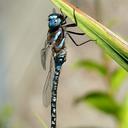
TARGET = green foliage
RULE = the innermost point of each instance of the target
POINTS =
(5, 115)
(117, 78)
(102, 101)
(92, 65)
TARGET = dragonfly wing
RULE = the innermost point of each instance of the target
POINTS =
(44, 53)
(43, 57)
(47, 91)
(48, 85)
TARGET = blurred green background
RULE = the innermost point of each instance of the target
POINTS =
(93, 87)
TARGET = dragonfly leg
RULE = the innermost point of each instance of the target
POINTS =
(73, 24)
(75, 33)
(65, 22)
(61, 12)
(65, 17)
(75, 41)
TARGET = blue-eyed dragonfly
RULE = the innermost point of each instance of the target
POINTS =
(56, 43)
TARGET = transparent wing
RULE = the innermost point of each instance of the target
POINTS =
(48, 84)
(44, 53)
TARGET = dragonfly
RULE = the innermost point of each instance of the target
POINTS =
(55, 42)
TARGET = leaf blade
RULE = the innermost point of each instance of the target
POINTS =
(117, 78)
(101, 101)
(91, 65)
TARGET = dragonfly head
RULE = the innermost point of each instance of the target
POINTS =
(55, 20)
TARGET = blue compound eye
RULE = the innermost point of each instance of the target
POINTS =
(54, 21)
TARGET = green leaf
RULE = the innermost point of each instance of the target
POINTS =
(112, 44)
(102, 101)
(124, 114)
(91, 65)
(117, 78)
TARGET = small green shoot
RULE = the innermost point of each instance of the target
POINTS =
(117, 78)
(43, 124)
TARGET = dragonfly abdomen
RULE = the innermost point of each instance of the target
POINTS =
(59, 59)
